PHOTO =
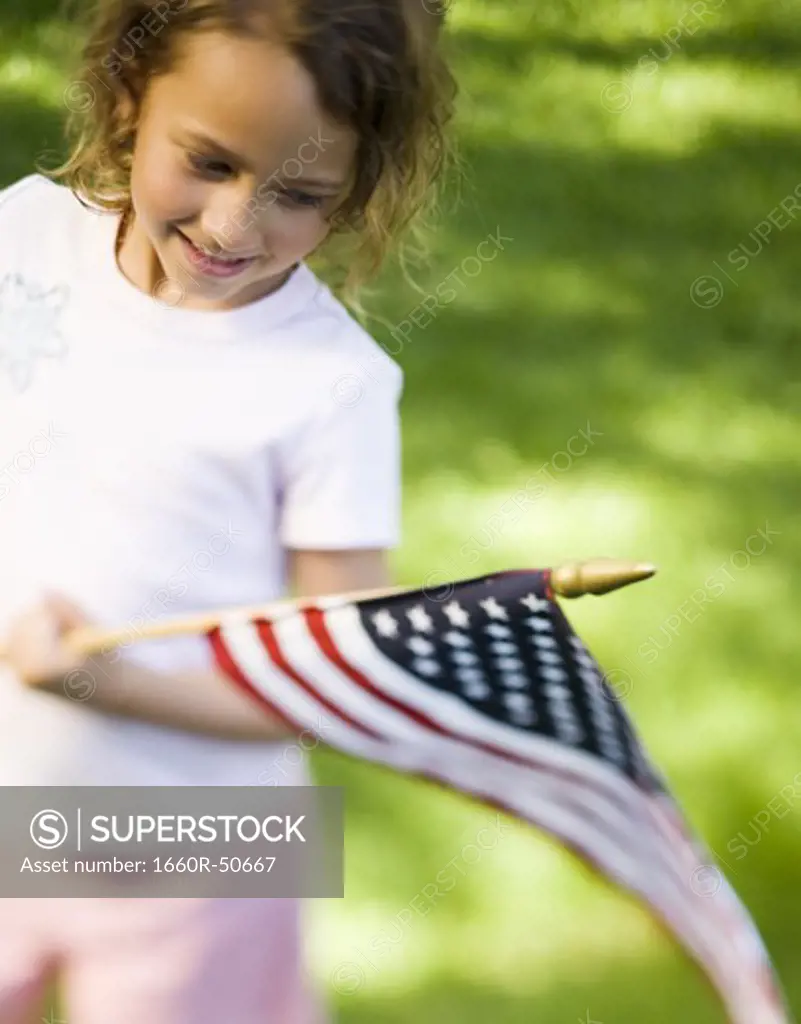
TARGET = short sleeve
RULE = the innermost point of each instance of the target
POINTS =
(10, 192)
(341, 472)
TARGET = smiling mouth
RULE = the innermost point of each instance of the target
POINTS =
(212, 264)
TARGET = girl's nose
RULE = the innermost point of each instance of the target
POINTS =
(231, 218)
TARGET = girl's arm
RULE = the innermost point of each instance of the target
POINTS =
(203, 702)
(312, 573)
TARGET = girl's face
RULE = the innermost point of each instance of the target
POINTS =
(236, 173)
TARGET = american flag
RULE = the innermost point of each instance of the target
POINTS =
(484, 687)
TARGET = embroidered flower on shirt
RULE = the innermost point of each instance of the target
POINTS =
(29, 319)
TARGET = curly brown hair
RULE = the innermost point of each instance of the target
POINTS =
(379, 70)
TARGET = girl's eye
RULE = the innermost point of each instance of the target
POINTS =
(296, 198)
(209, 167)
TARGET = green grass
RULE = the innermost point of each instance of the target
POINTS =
(585, 317)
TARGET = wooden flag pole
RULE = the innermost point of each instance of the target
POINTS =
(597, 576)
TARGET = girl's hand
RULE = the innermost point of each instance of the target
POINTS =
(36, 647)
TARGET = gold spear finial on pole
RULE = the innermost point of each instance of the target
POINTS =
(597, 576)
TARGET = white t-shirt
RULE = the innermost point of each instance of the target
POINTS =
(155, 462)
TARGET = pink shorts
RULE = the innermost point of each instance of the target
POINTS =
(155, 961)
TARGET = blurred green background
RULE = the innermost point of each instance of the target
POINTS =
(631, 155)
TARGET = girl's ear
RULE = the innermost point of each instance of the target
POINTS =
(336, 220)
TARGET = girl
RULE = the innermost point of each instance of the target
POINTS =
(188, 422)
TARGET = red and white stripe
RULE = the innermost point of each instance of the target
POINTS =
(320, 665)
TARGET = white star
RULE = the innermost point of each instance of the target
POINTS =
(505, 664)
(606, 730)
(540, 640)
(493, 609)
(503, 647)
(456, 639)
(553, 674)
(477, 689)
(549, 657)
(569, 730)
(517, 700)
(457, 616)
(427, 666)
(420, 619)
(610, 745)
(419, 645)
(497, 630)
(614, 754)
(464, 657)
(539, 625)
(514, 680)
(468, 675)
(601, 716)
(385, 624)
(521, 708)
(566, 728)
(535, 604)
